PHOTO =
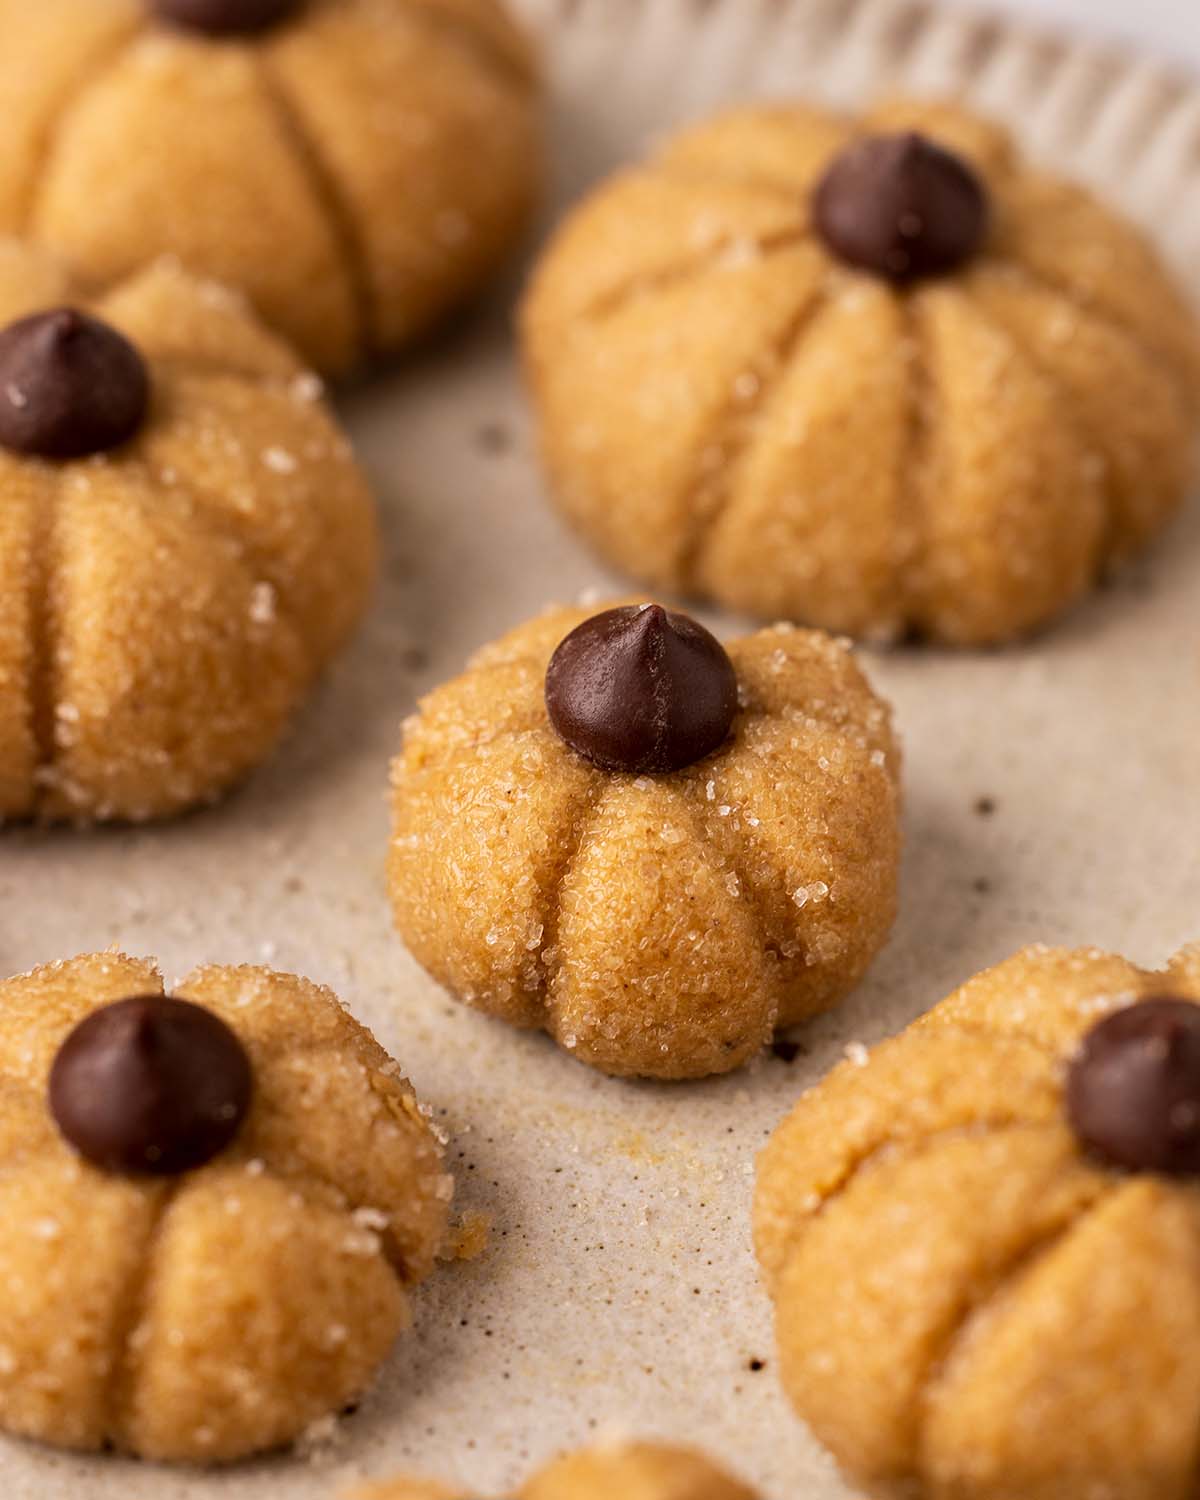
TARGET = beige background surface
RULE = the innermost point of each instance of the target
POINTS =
(618, 1293)
(1167, 27)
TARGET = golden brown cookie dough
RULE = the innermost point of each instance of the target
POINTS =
(214, 1313)
(634, 1471)
(166, 606)
(657, 924)
(357, 168)
(984, 1242)
(731, 409)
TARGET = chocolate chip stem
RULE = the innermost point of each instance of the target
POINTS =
(150, 1085)
(900, 206)
(641, 689)
(70, 386)
(1133, 1089)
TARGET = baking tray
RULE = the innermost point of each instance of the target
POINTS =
(1052, 794)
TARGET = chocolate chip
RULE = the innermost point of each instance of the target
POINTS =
(641, 689)
(150, 1085)
(224, 17)
(901, 206)
(1133, 1089)
(69, 385)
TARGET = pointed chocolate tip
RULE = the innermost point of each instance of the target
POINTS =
(70, 386)
(641, 689)
(150, 1085)
(1133, 1088)
(901, 206)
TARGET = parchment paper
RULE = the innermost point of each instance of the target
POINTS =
(618, 1293)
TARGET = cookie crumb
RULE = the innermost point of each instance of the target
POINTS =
(493, 438)
(469, 1238)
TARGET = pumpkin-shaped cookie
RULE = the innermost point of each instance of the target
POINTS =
(633, 1471)
(878, 374)
(984, 1242)
(356, 167)
(214, 1208)
(185, 541)
(656, 851)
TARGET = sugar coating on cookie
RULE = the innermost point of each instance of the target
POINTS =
(210, 1313)
(632, 1471)
(876, 374)
(168, 593)
(657, 923)
(983, 1241)
(356, 167)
